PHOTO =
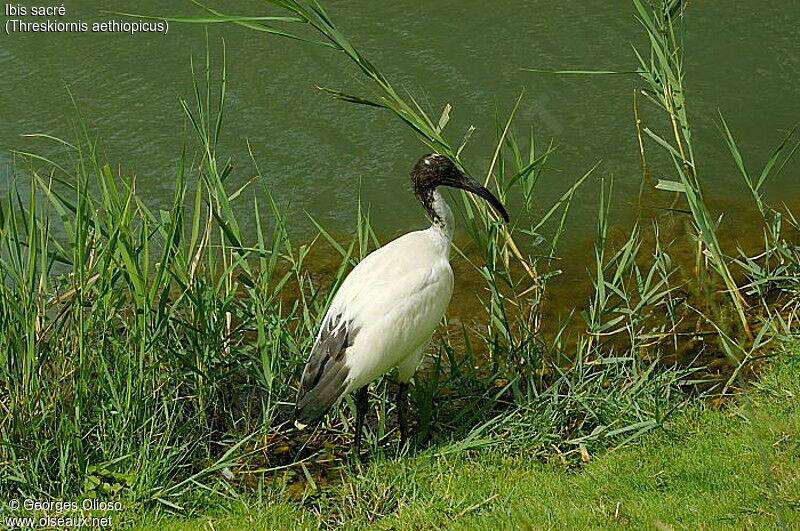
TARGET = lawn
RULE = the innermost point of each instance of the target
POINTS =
(735, 468)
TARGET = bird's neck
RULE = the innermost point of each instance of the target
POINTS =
(439, 213)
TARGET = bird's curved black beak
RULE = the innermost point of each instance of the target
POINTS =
(471, 185)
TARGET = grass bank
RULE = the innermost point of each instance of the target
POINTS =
(737, 468)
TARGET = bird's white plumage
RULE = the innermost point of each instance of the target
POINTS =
(386, 310)
(395, 298)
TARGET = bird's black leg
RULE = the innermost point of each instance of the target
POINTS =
(402, 411)
(361, 412)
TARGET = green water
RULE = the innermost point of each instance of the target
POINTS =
(742, 59)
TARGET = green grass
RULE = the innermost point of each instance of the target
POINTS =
(738, 468)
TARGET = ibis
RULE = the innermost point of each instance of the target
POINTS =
(387, 308)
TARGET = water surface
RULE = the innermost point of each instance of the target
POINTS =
(742, 60)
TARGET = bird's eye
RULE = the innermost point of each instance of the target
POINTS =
(434, 158)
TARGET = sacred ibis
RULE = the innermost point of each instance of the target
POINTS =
(386, 310)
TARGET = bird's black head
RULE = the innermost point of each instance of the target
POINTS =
(434, 170)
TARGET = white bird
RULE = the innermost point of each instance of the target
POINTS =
(386, 310)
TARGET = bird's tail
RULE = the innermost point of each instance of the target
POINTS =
(312, 404)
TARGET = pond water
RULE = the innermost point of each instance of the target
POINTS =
(315, 152)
